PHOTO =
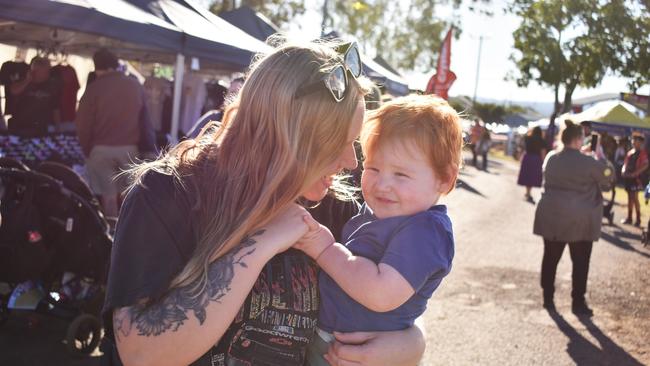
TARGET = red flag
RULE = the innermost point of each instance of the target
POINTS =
(440, 83)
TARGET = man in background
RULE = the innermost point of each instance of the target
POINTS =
(35, 101)
(108, 125)
(474, 137)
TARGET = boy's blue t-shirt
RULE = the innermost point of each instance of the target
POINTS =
(420, 247)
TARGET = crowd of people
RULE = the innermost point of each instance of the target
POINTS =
(480, 142)
(627, 156)
(575, 167)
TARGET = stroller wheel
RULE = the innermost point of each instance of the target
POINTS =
(83, 334)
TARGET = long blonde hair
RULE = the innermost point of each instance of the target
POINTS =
(269, 148)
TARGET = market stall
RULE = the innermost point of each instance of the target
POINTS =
(162, 31)
(614, 117)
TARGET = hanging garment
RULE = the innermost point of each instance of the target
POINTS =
(10, 72)
(156, 90)
(70, 87)
(192, 101)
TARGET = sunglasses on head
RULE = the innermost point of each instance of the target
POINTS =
(336, 81)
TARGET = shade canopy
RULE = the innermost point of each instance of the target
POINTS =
(140, 30)
(613, 116)
(393, 83)
(83, 26)
(208, 37)
(251, 22)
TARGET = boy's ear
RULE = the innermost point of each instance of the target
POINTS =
(449, 184)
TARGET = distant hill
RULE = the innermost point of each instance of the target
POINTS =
(529, 111)
(543, 108)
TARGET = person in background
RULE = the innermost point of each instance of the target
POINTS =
(36, 101)
(570, 211)
(483, 147)
(530, 171)
(218, 95)
(622, 147)
(109, 126)
(634, 167)
(586, 130)
(551, 131)
(474, 137)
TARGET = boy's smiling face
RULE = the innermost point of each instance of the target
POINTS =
(398, 180)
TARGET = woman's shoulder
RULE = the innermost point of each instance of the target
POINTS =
(163, 192)
(160, 183)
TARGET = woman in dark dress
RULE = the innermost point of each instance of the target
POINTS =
(530, 173)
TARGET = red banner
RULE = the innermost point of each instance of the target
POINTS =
(440, 83)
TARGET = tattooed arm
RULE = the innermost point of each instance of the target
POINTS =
(180, 328)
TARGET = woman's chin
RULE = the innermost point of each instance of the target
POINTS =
(315, 196)
(318, 190)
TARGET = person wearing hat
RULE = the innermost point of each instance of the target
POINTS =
(634, 173)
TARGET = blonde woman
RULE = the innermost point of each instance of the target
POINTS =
(200, 273)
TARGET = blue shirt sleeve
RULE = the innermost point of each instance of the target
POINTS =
(422, 249)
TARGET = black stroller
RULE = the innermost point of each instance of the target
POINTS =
(54, 242)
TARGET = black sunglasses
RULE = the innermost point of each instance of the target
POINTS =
(336, 81)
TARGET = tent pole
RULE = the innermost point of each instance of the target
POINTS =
(178, 89)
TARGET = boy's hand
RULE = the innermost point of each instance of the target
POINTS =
(317, 239)
(286, 228)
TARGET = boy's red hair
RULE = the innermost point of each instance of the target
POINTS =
(426, 121)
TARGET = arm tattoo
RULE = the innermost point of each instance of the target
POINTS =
(171, 311)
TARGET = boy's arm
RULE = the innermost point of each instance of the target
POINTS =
(363, 280)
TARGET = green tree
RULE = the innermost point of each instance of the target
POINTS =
(278, 11)
(566, 44)
(406, 33)
(489, 112)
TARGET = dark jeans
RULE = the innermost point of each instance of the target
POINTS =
(473, 148)
(485, 160)
(580, 255)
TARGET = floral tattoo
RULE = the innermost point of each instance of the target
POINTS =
(172, 310)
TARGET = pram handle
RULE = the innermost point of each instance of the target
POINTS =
(44, 178)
